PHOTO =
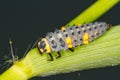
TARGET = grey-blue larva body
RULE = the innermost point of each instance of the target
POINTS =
(71, 36)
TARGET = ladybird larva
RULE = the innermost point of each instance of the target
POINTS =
(70, 37)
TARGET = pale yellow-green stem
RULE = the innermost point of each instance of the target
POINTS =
(94, 12)
(104, 51)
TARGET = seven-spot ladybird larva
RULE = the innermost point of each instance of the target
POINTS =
(70, 37)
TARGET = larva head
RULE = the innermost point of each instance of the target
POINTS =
(43, 46)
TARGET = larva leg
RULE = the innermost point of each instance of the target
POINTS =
(71, 49)
(51, 57)
(59, 55)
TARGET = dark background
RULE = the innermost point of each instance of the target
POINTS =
(24, 21)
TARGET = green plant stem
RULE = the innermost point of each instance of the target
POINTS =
(94, 12)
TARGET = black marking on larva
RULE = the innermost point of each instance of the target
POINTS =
(78, 32)
(81, 39)
(72, 33)
(62, 42)
(57, 40)
(84, 31)
(42, 45)
(76, 27)
(90, 29)
(66, 35)
(70, 28)
(54, 44)
(64, 30)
